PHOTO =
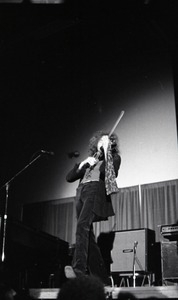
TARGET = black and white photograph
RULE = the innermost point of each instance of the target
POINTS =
(89, 149)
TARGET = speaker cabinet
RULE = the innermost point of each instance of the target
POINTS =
(123, 250)
(169, 259)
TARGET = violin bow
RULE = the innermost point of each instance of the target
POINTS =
(117, 122)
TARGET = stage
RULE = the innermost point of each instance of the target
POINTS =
(160, 292)
(35, 257)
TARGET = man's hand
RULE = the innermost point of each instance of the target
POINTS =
(103, 143)
(89, 160)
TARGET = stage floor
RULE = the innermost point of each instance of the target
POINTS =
(159, 292)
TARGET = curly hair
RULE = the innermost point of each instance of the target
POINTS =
(82, 288)
(92, 148)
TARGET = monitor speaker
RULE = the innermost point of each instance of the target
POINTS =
(126, 243)
(169, 259)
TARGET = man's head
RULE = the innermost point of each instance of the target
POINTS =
(97, 136)
(82, 288)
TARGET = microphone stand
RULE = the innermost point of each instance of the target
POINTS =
(7, 186)
(134, 259)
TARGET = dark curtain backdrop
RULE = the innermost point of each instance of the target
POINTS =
(145, 206)
(56, 217)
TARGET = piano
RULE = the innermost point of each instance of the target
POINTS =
(33, 259)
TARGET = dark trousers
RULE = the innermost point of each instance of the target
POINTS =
(87, 255)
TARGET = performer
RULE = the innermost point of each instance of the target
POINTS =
(96, 175)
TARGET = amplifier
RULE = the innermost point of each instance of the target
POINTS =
(123, 250)
(169, 259)
(169, 229)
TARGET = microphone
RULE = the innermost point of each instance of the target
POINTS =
(135, 243)
(47, 152)
(135, 246)
(73, 154)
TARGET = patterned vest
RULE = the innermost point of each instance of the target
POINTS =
(110, 177)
